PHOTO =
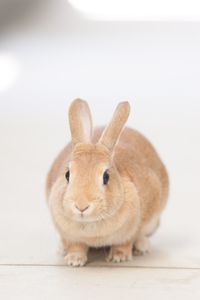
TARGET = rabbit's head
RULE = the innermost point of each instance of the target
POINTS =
(94, 190)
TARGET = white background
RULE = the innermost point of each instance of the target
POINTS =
(51, 54)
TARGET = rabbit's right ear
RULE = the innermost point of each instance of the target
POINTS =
(80, 122)
(112, 132)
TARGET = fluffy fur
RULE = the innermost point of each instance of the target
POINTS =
(121, 214)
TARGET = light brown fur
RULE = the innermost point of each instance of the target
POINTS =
(121, 214)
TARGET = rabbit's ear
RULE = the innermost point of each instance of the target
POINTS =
(112, 132)
(80, 122)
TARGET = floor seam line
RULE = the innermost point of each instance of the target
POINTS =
(102, 266)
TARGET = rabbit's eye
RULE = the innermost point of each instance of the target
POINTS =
(67, 175)
(106, 177)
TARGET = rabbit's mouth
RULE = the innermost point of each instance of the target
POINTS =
(84, 219)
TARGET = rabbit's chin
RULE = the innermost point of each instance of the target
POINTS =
(84, 219)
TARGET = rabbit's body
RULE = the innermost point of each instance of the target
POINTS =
(128, 210)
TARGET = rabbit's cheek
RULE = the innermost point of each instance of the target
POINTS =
(67, 206)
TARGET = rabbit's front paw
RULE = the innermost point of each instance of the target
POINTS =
(118, 257)
(142, 246)
(120, 253)
(76, 259)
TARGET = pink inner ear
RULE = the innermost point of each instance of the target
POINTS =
(80, 121)
(86, 124)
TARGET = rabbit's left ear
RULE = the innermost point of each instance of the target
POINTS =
(80, 121)
(112, 132)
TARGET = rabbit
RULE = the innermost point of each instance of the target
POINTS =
(107, 187)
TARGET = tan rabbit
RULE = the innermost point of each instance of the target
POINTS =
(107, 187)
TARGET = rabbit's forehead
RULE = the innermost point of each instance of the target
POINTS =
(90, 157)
(90, 152)
(95, 149)
(89, 161)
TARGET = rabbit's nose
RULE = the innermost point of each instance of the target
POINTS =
(82, 209)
